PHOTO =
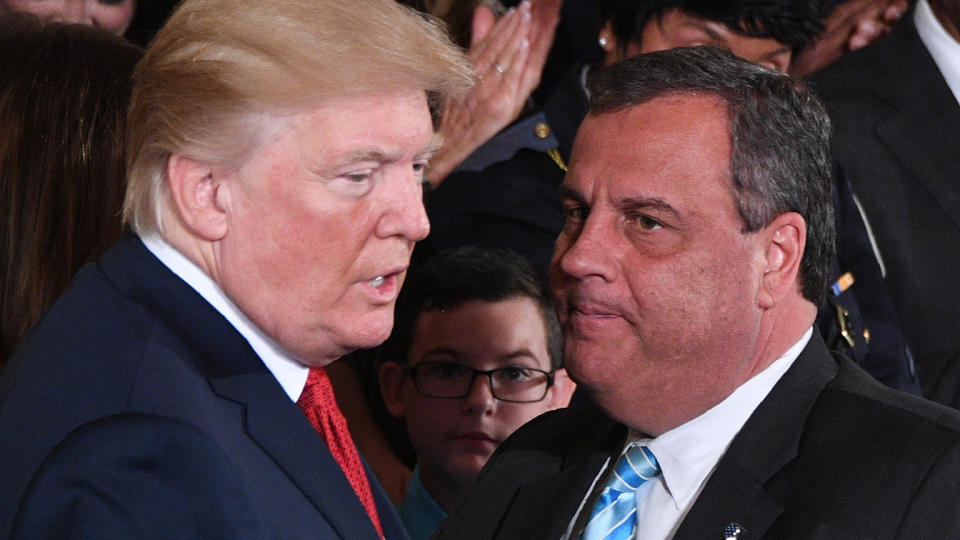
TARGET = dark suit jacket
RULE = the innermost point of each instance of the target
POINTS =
(135, 410)
(897, 137)
(830, 453)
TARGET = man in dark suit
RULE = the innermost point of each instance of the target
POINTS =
(896, 117)
(697, 243)
(274, 191)
(506, 193)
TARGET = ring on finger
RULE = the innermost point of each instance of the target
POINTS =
(499, 67)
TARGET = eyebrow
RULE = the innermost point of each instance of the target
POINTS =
(626, 203)
(647, 203)
(567, 192)
(519, 353)
(381, 156)
(710, 27)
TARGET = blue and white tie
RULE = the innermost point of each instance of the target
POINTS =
(614, 516)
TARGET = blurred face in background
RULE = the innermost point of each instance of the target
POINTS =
(677, 28)
(111, 15)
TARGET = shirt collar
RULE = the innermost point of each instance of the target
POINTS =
(942, 47)
(421, 514)
(291, 374)
(687, 454)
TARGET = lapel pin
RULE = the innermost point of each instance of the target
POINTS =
(732, 531)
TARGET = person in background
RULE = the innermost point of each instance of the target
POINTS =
(114, 16)
(176, 390)
(697, 247)
(64, 90)
(895, 109)
(476, 352)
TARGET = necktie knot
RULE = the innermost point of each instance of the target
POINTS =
(635, 466)
(615, 512)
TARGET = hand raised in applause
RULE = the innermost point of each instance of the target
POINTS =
(508, 55)
(852, 25)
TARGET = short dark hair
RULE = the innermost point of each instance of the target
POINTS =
(792, 22)
(779, 138)
(451, 278)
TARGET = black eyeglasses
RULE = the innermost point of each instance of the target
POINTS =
(452, 381)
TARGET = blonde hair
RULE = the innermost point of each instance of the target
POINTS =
(219, 68)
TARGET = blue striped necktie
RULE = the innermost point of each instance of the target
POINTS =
(614, 516)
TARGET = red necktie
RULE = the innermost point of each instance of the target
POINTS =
(320, 406)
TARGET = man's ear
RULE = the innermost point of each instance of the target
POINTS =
(197, 196)
(561, 391)
(393, 378)
(784, 239)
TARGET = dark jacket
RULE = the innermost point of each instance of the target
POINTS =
(830, 453)
(135, 410)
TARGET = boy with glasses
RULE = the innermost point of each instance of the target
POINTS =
(476, 352)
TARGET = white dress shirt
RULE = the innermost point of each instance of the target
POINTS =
(291, 374)
(944, 49)
(688, 454)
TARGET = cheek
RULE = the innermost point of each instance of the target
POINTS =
(429, 420)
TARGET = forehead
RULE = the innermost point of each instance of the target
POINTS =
(677, 28)
(670, 142)
(400, 117)
(480, 329)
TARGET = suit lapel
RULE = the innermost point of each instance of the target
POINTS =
(236, 373)
(277, 425)
(550, 506)
(924, 134)
(736, 492)
(545, 507)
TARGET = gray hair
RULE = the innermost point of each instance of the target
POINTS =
(779, 135)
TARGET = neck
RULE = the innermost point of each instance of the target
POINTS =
(948, 13)
(783, 325)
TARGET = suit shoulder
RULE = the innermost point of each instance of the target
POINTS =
(895, 415)
(138, 475)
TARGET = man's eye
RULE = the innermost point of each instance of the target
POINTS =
(577, 213)
(357, 177)
(513, 374)
(446, 370)
(645, 222)
(648, 223)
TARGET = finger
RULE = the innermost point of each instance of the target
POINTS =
(515, 78)
(895, 11)
(486, 51)
(546, 16)
(481, 24)
(515, 44)
(865, 33)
